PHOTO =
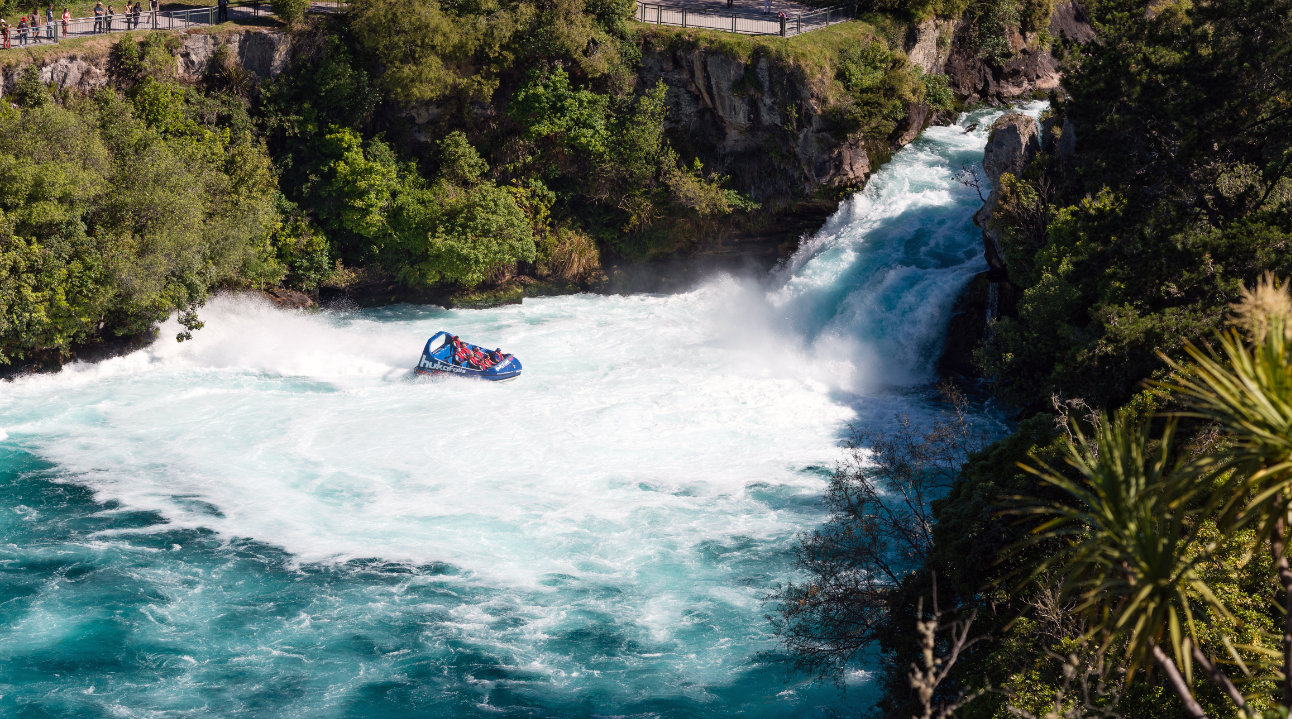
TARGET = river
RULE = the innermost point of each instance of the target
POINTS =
(277, 519)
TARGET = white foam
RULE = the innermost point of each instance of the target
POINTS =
(644, 432)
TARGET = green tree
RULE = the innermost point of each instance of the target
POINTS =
(290, 11)
(1136, 524)
(445, 234)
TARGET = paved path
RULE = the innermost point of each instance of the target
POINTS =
(745, 17)
(165, 20)
(789, 7)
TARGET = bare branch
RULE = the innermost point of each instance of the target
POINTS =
(925, 680)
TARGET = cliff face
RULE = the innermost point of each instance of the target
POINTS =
(1013, 142)
(1028, 71)
(86, 68)
(758, 121)
(761, 121)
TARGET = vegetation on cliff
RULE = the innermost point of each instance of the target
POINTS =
(535, 149)
(122, 209)
(1127, 247)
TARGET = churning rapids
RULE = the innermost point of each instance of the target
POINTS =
(277, 520)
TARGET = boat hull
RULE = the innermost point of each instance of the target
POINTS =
(435, 362)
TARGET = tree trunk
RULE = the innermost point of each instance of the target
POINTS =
(1191, 706)
(1277, 548)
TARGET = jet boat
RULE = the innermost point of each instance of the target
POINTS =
(438, 359)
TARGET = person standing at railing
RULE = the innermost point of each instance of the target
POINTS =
(67, 17)
(223, 15)
(107, 18)
(132, 16)
(49, 22)
(153, 6)
(98, 17)
(4, 32)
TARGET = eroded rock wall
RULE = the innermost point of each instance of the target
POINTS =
(758, 121)
(85, 69)
(1013, 142)
(1030, 70)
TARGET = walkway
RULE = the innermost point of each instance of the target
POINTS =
(745, 17)
(163, 20)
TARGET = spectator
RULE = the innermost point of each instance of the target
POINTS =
(132, 16)
(49, 21)
(4, 31)
(67, 17)
(98, 17)
(223, 15)
(107, 19)
(22, 31)
(154, 6)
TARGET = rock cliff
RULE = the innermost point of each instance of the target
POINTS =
(758, 121)
(1013, 142)
(1032, 68)
(86, 67)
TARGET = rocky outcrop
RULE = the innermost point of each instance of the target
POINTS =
(78, 73)
(1031, 69)
(263, 54)
(1014, 141)
(757, 121)
(1070, 22)
(85, 69)
(929, 44)
(289, 299)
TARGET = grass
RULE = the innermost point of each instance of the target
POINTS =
(816, 53)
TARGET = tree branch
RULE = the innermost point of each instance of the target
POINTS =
(1218, 677)
(1191, 706)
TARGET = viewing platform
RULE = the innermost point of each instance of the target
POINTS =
(745, 17)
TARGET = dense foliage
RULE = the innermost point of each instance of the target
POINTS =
(123, 209)
(1177, 196)
(1182, 190)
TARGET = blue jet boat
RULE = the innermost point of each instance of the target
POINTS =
(437, 359)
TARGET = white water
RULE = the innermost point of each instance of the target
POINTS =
(663, 448)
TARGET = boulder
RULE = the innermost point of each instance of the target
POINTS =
(289, 299)
(918, 117)
(1013, 142)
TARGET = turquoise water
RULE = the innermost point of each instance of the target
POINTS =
(278, 520)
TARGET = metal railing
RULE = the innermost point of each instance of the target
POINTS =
(743, 21)
(59, 30)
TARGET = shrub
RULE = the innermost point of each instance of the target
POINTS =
(290, 11)
(29, 91)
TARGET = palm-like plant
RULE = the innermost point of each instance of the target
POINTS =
(1133, 524)
(1133, 550)
(1246, 388)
